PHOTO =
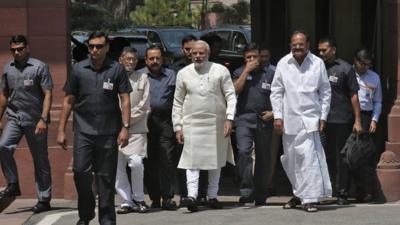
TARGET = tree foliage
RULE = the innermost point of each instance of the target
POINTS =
(238, 13)
(119, 9)
(163, 13)
(93, 17)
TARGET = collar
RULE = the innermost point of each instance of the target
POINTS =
(28, 63)
(147, 71)
(89, 64)
(308, 57)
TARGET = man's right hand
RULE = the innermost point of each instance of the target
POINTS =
(179, 136)
(61, 140)
(251, 65)
(357, 128)
(278, 126)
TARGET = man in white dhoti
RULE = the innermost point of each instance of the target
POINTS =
(202, 114)
(300, 100)
(133, 154)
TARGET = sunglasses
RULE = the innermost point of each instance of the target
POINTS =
(20, 49)
(99, 46)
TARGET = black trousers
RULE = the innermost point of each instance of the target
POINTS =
(336, 136)
(162, 158)
(254, 185)
(203, 180)
(98, 154)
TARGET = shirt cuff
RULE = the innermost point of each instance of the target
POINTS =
(375, 118)
(230, 117)
(277, 115)
(177, 128)
(324, 117)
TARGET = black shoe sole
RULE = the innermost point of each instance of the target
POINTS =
(5, 202)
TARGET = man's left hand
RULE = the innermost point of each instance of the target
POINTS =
(372, 127)
(123, 137)
(322, 125)
(227, 128)
(41, 127)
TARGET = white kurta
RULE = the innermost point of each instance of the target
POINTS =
(300, 96)
(203, 101)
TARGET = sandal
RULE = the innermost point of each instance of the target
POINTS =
(310, 207)
(292, 203)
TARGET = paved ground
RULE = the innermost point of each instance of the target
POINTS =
(65, 213)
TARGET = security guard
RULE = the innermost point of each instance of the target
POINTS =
(91, 91)
(26, 91)
(253, 122)
(344, 116)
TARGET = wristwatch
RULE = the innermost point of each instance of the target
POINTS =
(44, 120)
(126, 125)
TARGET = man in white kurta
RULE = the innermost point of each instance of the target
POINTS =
(202, 114)
(133, 154)
(300, 100)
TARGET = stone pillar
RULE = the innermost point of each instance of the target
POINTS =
(388, 169)
(46, 25)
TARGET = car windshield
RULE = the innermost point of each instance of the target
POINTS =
(247, 32)
(172, 38)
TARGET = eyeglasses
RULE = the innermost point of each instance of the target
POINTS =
(98, 46)
(20, 49)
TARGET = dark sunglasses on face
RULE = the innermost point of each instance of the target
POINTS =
(20, 49)
(99, 46)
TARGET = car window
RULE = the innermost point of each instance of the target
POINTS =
(224, 35)
(238, 41)
(173, 38)
(153, 37)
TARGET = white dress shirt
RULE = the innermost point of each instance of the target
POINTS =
(301, 94)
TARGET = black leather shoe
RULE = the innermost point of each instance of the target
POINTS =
(342, 201)
(214, 203)
(41, 207)
(82, 222)
(12, 190)
(190, 203)
(260, 203)
(202, 201)
(169, 204)
(140, 207)
(155, 205)
(246, 199)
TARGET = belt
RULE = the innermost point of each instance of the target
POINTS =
(366, 112)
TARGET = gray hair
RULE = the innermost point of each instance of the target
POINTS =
(205, 44)
(128, 49)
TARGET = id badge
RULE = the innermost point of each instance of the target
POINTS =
(249, 78)
(333, 79)
(28, 82)
(266, 86)
(108, 85)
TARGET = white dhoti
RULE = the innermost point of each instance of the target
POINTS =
(305, 165)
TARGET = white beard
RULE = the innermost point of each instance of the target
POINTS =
(199, 65)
